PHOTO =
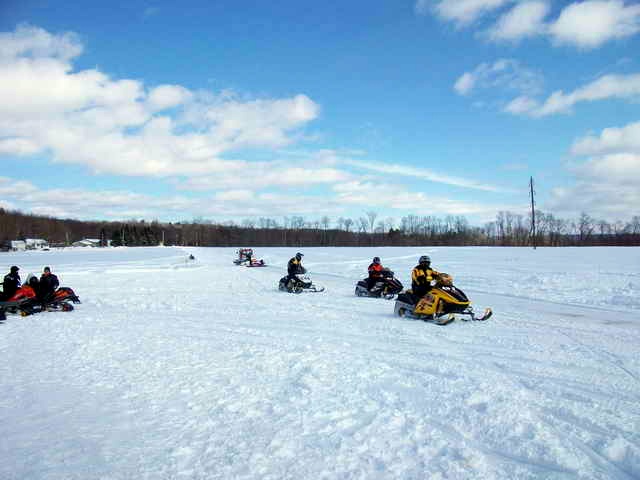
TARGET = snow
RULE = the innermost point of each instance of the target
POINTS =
(180, 369)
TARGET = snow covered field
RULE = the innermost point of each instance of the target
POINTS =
(174, 369)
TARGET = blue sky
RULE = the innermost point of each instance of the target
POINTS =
(235, 109)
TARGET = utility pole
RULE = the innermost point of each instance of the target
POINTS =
(533, 213)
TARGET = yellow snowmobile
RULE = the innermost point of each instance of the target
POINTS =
(440, 305)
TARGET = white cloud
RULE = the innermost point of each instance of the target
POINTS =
(422, 173)
(167, 96)
(262, 175)
(611, 140)
(116, 126)
(114, 204)
(372, 195)
(521, 105)
(503, 74)
(18, 146)
(606, 87)
(592, 23)
(33, 42)
(15, 188)
(583, 24)
(235, 196)
(616, 168)
(606, 183)
(523, 20)
(465, 83)
(462, 12)
(606, 187)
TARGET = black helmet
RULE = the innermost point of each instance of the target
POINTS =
(376, 260)
(424, 259)
(14, 269)
(299, 256)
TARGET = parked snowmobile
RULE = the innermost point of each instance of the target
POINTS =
(61, 299)
(25, 302)
(440, 305)
(387, 286)
(246, 258)
(298, 284)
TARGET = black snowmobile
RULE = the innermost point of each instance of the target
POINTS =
(298, 284)
(387, 286)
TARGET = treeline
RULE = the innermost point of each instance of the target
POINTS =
(508, 229)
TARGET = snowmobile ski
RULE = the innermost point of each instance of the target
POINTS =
(445, 320)
(485, 316)
(299, 284)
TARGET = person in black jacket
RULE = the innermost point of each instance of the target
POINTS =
(294, 267)
(48, 284)
(11, 283)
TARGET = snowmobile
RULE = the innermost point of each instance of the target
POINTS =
(246, 258)
(387, 286)
(61, 300)
(440, 305)
(298, 284)
(25, 302)
(256, 263)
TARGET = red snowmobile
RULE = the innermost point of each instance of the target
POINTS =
(26, 302)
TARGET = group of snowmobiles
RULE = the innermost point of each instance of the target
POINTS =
(29, 299)
(439, 301)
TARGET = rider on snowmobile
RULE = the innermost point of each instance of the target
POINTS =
(421, 277)
(48, 283)
(375, 272)
(294, 267)
(11, 283)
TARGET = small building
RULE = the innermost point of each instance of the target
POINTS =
(87, 242)
(18, 245)
(36, 244)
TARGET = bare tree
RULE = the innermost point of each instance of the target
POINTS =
(389, 223)
(297, 223)
(371, 215)
(348, 223)
(363, 225)
(585, 227)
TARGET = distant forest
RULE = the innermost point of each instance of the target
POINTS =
(508, 229)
